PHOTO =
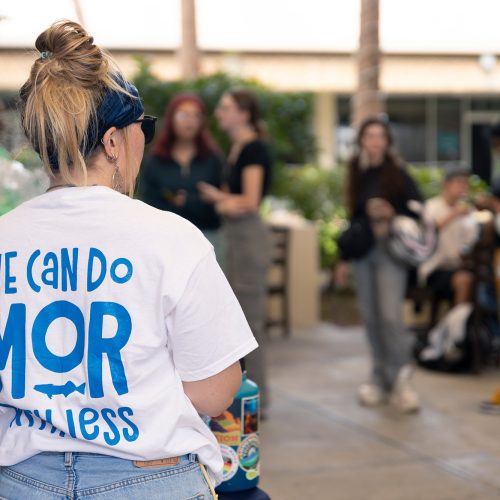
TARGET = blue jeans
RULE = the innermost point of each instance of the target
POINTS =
(64, 476)
(380, 287)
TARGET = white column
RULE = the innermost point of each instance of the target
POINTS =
(325, 118)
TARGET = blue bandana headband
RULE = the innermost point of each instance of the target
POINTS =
(116, 110)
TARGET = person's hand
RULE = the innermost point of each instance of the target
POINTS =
(209, 193)
(179, 199)
(487, 202)
(378, 208)
(461, 209)
(230, 207)
(496, 205)
(484, 201)
(341, 274)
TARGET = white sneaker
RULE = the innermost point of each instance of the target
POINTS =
(404, 397)
(371, 395)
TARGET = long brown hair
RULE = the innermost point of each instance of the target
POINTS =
(205, 143)
(246, 100)
(392, 178)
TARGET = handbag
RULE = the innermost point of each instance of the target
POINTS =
(411, 240)
(356, 240)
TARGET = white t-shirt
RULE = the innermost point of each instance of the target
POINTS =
(106, 305)
(454, 239)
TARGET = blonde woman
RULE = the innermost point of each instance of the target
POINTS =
(118, 328)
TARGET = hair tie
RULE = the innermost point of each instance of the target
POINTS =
(45, 55)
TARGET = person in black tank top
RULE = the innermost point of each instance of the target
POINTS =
(247, 178)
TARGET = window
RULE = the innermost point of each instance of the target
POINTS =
(448, 129)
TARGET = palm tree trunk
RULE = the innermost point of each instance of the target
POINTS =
(367, 99)
(188, 53)
(79, 12)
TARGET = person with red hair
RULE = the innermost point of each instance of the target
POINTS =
(183, 155)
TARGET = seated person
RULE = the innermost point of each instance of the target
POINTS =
(495, 207)
(444, 272)
(492, 202)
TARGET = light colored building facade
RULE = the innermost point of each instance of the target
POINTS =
(439, 73)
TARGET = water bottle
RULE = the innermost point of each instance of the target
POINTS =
(237, 432)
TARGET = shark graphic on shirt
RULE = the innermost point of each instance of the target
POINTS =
(54, 390)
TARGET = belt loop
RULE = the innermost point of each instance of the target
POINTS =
(68, 458)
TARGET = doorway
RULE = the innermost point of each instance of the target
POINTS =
(477, 148)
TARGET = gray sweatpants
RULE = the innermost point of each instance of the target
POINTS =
(248, 259)
(380, 286)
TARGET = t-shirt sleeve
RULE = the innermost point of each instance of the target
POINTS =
(254, 153)
(207, 330)
(433, 210)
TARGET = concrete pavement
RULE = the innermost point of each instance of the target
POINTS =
(318, 443)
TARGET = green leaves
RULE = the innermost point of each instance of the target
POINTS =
(318, 195)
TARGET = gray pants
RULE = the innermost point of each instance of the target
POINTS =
(248, 259)
(216, 237)
(381, 286)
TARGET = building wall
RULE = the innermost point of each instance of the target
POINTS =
(336, 73)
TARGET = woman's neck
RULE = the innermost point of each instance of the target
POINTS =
(375, 160)
(367, 160)
(184, 145)
(92, 180)
(99, 173)
(243, 134)
(183, 152)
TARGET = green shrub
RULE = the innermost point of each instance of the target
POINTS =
(317, 194)
(428, 179)
(28, 157)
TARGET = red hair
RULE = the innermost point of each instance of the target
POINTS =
(164, 143)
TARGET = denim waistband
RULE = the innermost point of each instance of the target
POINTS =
(72, 475)
(69, 456)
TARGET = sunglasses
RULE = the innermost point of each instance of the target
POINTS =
(148, 124)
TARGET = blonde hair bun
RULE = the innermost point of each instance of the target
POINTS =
(70, 55)
(58, 102)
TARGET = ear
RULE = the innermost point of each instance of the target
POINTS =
(110, 142)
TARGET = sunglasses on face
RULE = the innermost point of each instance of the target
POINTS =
(148, 124)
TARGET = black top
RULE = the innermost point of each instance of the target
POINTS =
(359, 239)
(252, 153)
(160, 180)
(371, 187)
